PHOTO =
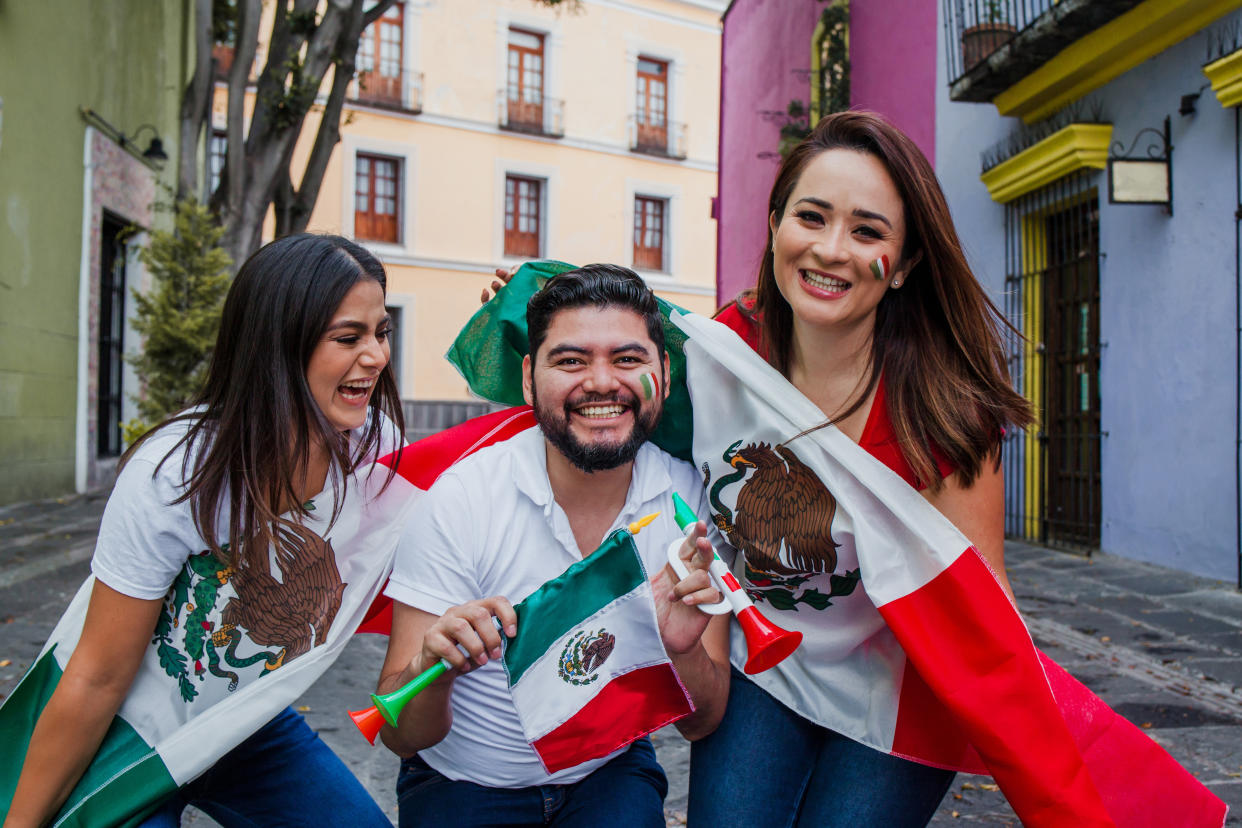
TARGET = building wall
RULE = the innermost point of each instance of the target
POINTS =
(120, 58)
(455, 157)
(1168, 287)
(766, 58)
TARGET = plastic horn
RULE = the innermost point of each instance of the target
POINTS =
(766, 644)
(387, 708)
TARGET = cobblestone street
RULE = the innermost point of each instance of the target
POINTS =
(1163, 648)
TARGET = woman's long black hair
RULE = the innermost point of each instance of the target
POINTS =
(255, 423)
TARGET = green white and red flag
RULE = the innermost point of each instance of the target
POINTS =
(587, 669)
(943, 670)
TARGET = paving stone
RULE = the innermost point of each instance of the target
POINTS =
(1163, 585)
(1222, 604)
(1124, 603)
(1184, 622)
(1230, 642)
(1227, 671)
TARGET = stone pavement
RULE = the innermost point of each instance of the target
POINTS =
(1162, 647)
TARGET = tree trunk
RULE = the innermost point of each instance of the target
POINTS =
(195, 103)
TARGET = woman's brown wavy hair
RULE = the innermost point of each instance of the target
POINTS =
(255, 423)
(937, 341)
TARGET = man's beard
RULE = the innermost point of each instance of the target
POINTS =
(601, 456)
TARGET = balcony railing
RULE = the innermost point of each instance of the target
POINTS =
(403, 91)
(993, 44)
(667, 139)
(545, 117)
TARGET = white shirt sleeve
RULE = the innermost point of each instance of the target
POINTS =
(144, 539)
(437, 557)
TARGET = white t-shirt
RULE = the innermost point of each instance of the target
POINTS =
(145, 538)
(490, 526)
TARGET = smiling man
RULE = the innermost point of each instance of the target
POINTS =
(499, 524)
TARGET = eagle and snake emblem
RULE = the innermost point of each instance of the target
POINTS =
(782, 522)
(583, 654)
(282, 618)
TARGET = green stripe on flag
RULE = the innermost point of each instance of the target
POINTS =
(567, 600)
(126, 779)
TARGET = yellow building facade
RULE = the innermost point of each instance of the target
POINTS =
(481, 133)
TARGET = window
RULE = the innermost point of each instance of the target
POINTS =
(114, 252)
(377, 198)
(523, 214)
(651, 107)
(379, 59)
(648, 233)
(525, 80)
(218, 151)
(394, 342)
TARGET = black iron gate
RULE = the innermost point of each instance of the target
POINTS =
(1052, 472)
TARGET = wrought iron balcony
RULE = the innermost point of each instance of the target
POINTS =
(993, 44)
(667, 139)
(401, 91)
(545, 116)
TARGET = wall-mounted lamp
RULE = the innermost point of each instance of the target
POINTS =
(155, 147)
(154, 150)
(1188, 104)
(1143, 180)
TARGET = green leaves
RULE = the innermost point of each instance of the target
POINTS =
(178, 318)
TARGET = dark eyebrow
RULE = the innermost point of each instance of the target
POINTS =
(356, 325)
(827, 205)
(628, 347)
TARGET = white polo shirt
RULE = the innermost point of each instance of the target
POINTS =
(490, 526)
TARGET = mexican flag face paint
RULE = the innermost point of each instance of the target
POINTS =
(879, 268)
(651, 385)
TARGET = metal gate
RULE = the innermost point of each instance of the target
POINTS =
(1052, 471)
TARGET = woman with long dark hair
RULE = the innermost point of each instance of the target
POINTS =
(225, 569)
(866, 305)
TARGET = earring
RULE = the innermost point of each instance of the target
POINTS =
(896, 283)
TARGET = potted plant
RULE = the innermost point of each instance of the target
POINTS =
(990, 32)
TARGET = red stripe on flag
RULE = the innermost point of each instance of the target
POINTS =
(628, 707)
(422, 462)
(927, 733)
(966, 640)
(1142, 785)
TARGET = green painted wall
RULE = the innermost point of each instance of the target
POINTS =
(125, 60)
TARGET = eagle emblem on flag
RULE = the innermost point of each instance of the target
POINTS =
(782, 522)
(584, 653)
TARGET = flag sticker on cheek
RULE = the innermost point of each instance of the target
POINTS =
(879, 268)
(651, 385)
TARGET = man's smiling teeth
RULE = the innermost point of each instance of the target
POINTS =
(602, 410)
(823, 282)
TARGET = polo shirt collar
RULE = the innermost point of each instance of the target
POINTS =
(649, 481)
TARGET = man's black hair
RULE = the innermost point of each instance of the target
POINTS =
(594, 285)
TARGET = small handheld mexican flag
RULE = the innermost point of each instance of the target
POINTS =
(587, 668)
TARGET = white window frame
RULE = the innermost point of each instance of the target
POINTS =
(406, 302)
(636, 48)
(671, 194)
(407, 154)
(553, 48)
(549, 175)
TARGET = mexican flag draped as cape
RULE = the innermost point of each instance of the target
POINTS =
(949, 675)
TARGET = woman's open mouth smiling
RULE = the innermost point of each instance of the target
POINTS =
(356, 391)
(824, 282)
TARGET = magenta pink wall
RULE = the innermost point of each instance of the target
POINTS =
(765, 58)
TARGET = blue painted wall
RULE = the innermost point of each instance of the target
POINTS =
(1168, 290)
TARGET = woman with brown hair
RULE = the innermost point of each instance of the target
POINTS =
(866, 305)
(240, 547)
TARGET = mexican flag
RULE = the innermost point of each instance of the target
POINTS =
(587, 669)
(929, 659)
(206, 681)
(926, 658)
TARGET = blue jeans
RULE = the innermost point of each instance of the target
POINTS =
(767, 766)
(282, 775)
(626, 792)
